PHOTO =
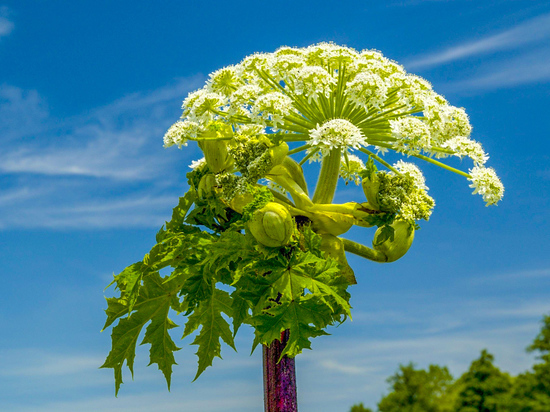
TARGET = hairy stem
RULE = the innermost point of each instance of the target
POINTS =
(279, 378)
(328, 178)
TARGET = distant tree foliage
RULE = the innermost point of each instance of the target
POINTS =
(417, 390)
(482, 388)
(531, 390)
(360, 408)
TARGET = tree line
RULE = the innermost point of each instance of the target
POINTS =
(482, 388)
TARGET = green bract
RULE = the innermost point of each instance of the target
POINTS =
(249, 221)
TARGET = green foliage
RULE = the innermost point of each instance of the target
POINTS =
(295, 287)
(360, 408)
(541, 343)
(418, 390)
(531, 390)
(484, 387)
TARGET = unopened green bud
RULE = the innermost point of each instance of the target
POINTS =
(334, 248)
(371, 186)
(278, 153)
(206, 185)
(403, 236)
(240, 201)
(272, 225)
(215, 151)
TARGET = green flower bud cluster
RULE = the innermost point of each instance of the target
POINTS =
(398, 194)
(255, 156)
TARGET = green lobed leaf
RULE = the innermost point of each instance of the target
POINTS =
(305, 295)
(208, 317)
(152, 305)
(180, 211)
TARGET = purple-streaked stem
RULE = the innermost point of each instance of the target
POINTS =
(279, 378)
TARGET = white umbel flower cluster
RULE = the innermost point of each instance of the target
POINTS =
(272, 107)
(180, 132)
(312, 82)
(486, 183)
(412, 170)
(196, 164)
(412, 134)
(462, 146)
(367, 90)
(329, 96)
(336, 134)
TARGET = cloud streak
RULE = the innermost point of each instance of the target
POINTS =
(6, 25)
(101, 169)
(114, 141)
(533, 31)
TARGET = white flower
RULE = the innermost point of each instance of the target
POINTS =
(202, 104)
(256, 61)
(462, 146)
(375, 63)
(313, 81)
(224, 81)
(336, 133)
(412, 170)
(250, 130)
(486, 182)
(447, 122)
(283, 64)
(272, 107)
(412, 134)
(412, 90)
(245, 94)
(330, 54)
(286, 51)
(195, 164)
(180, 131)
(367, 90)
(350, 168)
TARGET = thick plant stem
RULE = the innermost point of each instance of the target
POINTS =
(279, 378)
(328, 178)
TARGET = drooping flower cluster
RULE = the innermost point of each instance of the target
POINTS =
(334, 98)
(486, 182)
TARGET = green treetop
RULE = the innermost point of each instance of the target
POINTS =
(418, 390)
(484, 387)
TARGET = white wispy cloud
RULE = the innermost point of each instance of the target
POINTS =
(101, 169)
(536, 30)
(113, 141)
(6, 25)
(115, 211)
(529, 68)
(22, 113)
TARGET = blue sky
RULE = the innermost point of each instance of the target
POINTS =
(87, 90)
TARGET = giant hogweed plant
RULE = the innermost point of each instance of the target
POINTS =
(250, 243)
